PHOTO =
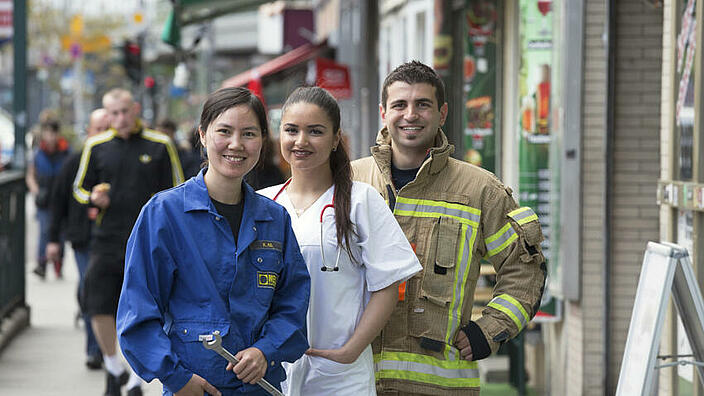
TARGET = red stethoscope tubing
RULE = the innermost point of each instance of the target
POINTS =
(322, 212)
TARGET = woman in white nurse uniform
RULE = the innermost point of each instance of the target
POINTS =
(355, 250)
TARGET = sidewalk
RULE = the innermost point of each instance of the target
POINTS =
(48, 358)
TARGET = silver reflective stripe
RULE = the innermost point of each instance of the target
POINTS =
(512, 308)
(493, 245)
(425, 369)
(437, 209)
(526, 212)
(457, 300)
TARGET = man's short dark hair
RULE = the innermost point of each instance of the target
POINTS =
(414, 72)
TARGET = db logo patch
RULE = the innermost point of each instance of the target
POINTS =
(145, 158)
(266, 279)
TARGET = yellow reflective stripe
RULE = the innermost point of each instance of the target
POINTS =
(512, 308)
(426, 369)
(499, 241)
(79, 193)
(427, 208)
(464, 258)
(411, 213)
(176, 171)
(523, 215)
(443, 204)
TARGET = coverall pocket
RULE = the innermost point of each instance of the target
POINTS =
(267, 265)
(195, 357)
(439, 271)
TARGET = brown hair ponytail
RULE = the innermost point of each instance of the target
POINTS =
(339, 160)
(342, 177)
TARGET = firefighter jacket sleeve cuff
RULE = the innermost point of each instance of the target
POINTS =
(477, 341)
(176, 379)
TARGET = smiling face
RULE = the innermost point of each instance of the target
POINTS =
(307, 137)
(233, 142)
(412, 116)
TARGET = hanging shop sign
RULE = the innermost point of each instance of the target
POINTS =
(334, 77)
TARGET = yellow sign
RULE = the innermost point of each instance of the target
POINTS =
(93, 44)
(76, 25)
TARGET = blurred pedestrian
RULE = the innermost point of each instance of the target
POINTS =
(190, 159)
(47, 159)
(194, 161)
(212, 255)
(454, 214)
(119, 171)
(71, 217)
(266, 173)
(356, 252)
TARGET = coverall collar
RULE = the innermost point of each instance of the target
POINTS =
(196, 198)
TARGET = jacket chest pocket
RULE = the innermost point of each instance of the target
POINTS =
(267, 270)
(441, 256)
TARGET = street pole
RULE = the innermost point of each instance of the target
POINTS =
(19, 87)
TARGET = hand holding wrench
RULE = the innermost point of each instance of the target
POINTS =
(214, 341)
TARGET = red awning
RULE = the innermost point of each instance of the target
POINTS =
(291, 58)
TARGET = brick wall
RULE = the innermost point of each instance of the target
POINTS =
(636, 167)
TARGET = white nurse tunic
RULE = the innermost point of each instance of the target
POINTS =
(338, 298)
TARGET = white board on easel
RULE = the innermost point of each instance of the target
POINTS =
(666, 270)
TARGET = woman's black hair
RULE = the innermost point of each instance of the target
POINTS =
(339, 158)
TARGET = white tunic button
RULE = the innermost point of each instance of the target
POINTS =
(185, 331)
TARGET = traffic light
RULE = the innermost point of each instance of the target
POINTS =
(132, 60)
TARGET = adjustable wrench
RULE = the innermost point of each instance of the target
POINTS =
(214, 341)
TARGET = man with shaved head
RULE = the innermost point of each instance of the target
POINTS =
(120, 170)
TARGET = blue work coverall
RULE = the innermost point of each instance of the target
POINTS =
(185, 276)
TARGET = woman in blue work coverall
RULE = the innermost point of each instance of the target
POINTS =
(211, 254)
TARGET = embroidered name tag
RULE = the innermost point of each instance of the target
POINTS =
(271, 245)
(266, 279)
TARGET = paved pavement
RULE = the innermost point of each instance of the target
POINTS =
(48, 358)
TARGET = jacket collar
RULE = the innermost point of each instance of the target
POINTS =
(136, 130)
(439, 153)
(195, 197)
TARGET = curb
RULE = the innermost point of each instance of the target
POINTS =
(13, 325)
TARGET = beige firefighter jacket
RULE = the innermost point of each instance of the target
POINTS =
(454, 214)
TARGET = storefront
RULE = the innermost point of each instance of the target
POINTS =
(681, 187)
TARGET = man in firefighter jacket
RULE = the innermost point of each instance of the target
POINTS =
(454, 214)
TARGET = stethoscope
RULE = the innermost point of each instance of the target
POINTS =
(325, 267)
